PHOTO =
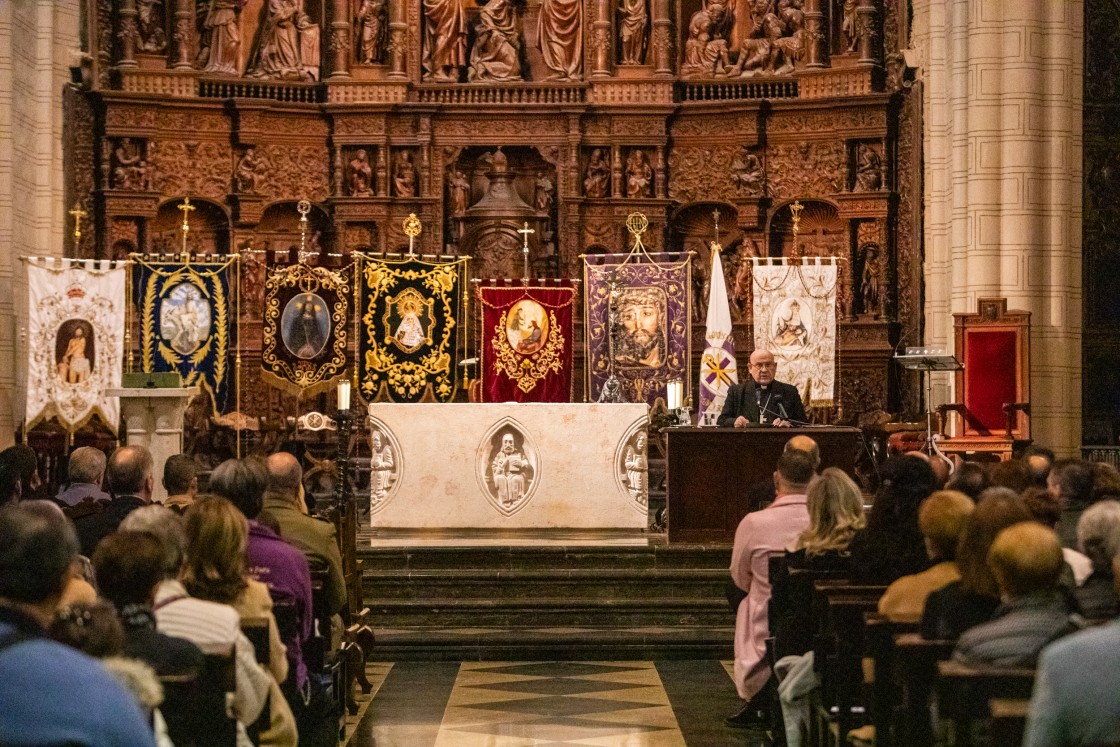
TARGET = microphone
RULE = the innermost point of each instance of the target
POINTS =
(781, 407)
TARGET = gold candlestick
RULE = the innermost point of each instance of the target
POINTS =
(187, 209)
(78, 214)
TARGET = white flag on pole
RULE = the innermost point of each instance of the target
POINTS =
(718, 370)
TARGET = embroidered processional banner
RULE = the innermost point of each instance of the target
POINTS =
(795, 318)
(304, 333)
(718, 369)
(527, 341)
(75, 340)
(187, 315)
(637, 318)
(410, 314)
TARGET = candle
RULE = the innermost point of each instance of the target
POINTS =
(673, 394)
(344, 394)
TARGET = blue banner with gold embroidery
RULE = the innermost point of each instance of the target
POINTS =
(410, 315)
(187, 312)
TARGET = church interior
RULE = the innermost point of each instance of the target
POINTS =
(508, 327)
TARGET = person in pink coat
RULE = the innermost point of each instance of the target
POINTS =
(760, 535)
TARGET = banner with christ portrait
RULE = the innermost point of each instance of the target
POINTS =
(527, 341)
(75, 340)
(410, 312)
(638, 324)
(187, 314)
(304, 332)
(795, 318)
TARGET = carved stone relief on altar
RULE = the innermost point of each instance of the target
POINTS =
(287, 43)
(871, 280)
(496, 55)
(359, 181)
(701, 173)
(295, 172)
(444, 43)
(191, 168)
(130, 170)
(508, 466)
(250, 171)
(597, 172)
(639, 174)
(747, 172)
(799, 169)
(386, 465)
(405, 178)
(560, 38)
(633, 31)
(370, 26)
(220, 39)
(360, 237)
(150, 33)
(631, 460)
(771, 39)
(867, 166)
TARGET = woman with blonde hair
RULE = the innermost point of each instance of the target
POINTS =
(214, 570)
(835, 514)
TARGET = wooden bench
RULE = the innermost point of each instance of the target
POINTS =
(196, 707)
(963, 694)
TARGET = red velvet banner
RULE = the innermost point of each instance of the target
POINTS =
(526, 342)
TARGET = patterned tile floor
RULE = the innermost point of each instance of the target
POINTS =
(517, 704)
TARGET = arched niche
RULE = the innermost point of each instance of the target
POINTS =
(278, 232)
(821, 232)
(209, 228)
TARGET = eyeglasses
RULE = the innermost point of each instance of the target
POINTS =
(772, 364)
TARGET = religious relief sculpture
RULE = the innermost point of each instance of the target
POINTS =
(458, 191)
(848, 24)
(508, 467)
(445, 40)
(777, 41)
(288, 46)
(404, 175)
(543, 194)
(870, 284)
(149, 26)
(633, 30)
(560, 35)
(597, 176)
(370, 26)
(360, 182)
(635, 468)
(706, 52)
(221, 37)
(746, 172)
(130, 169)
(496, 54)
(249, 171)
(639, 174)
(385, 465)
(869, 168)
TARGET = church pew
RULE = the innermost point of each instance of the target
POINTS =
(321, 660)
(195, 705)
(964, 691)
(256, 630)
(914, 668)
(878, 645)
(1008, 720)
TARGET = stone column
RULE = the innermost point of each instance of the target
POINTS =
(616, 172)
(182, 35)
(601, 40)
(341, 39)
(1003, 97)
(865, 29)
(126, 33)
(659, 173)
(398, 38)
(662, 62)
(816, 53)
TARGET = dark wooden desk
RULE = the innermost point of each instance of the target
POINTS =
(711, 473)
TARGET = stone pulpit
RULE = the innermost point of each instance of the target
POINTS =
(153, 417)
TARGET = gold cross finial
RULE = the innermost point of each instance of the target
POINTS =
(78, 214)
(412, 228)
(187, 209)
(303, 207)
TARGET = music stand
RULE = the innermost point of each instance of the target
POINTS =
(923, 359)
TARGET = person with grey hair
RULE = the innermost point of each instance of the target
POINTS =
(86, 472)
(130, 481)
(1098, 536)
(37, 548)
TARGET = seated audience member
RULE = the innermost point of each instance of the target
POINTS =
(11, 487)
(942, 468)
(129, 479)
(891, 546)
(759, 536)
(203, 623)
(86, 471)
(214, 570)
(970, 479)
(26, 463)
(941, 519)
(316, 538)
(1071, 482)
(1106, 482)
(51, 694)
(1098, 535)
(129, 568)
(973, 599)
(180, 480)
(1047, 511)
(77, 589)
(761, 493)
(1076, 701)
(1026, 560)
(1013, 475)
(1039, 459)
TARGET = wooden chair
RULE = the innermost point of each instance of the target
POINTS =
(963, 693)
(993, 389)
(196, 706)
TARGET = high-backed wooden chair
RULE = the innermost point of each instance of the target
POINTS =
(993, 389)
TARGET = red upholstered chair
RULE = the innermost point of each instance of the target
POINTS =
(993, 388)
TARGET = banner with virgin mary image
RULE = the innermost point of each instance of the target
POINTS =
(75, 340)
(304, 329)
(187, 318)
(638, 325)
(411, 310)
(795, 319)
(527, 341)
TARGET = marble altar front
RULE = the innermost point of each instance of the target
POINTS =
(508, 466)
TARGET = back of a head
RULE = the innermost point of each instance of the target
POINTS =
(10, 483)
(1026, 558)
(1039, 459)
(1042, 504)
(242, 482)
(26, 464)
(835, 506)
(166, 527)
(87, 465)
(91, 627)
(997, 509)
(1106, 481)
(128, 565)
(284, 475)
(970, 479)
(1073, 481)
(216, 537)
(129, 468)
(941, 519)
(808, 445)
(1014, 474)
(795, 468)
(1098, 534)
(906, 482)
(178, 472)
(37, 546)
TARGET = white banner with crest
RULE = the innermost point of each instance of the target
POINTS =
(795, 318)
(75, 340)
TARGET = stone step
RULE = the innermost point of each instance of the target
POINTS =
(555, 612)
(544, 558)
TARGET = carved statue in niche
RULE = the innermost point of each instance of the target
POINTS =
(404, 175)
(597, 177)
(776, 41)
(149, 26)
(445, 40)
(361, 174)
(496, 54)
(746, 172)
(543, 194)
(869, 168)
(706, 53)
(870, 285)
(560, 35)
(633, 30)
(252, 278)
(250, 168)
(288, 48)
(639, 174)
(370, 23)
(848, 24)
(221, 37)
(130, 170)
(459, 190)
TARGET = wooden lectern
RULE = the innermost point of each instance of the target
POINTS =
(713, 471)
